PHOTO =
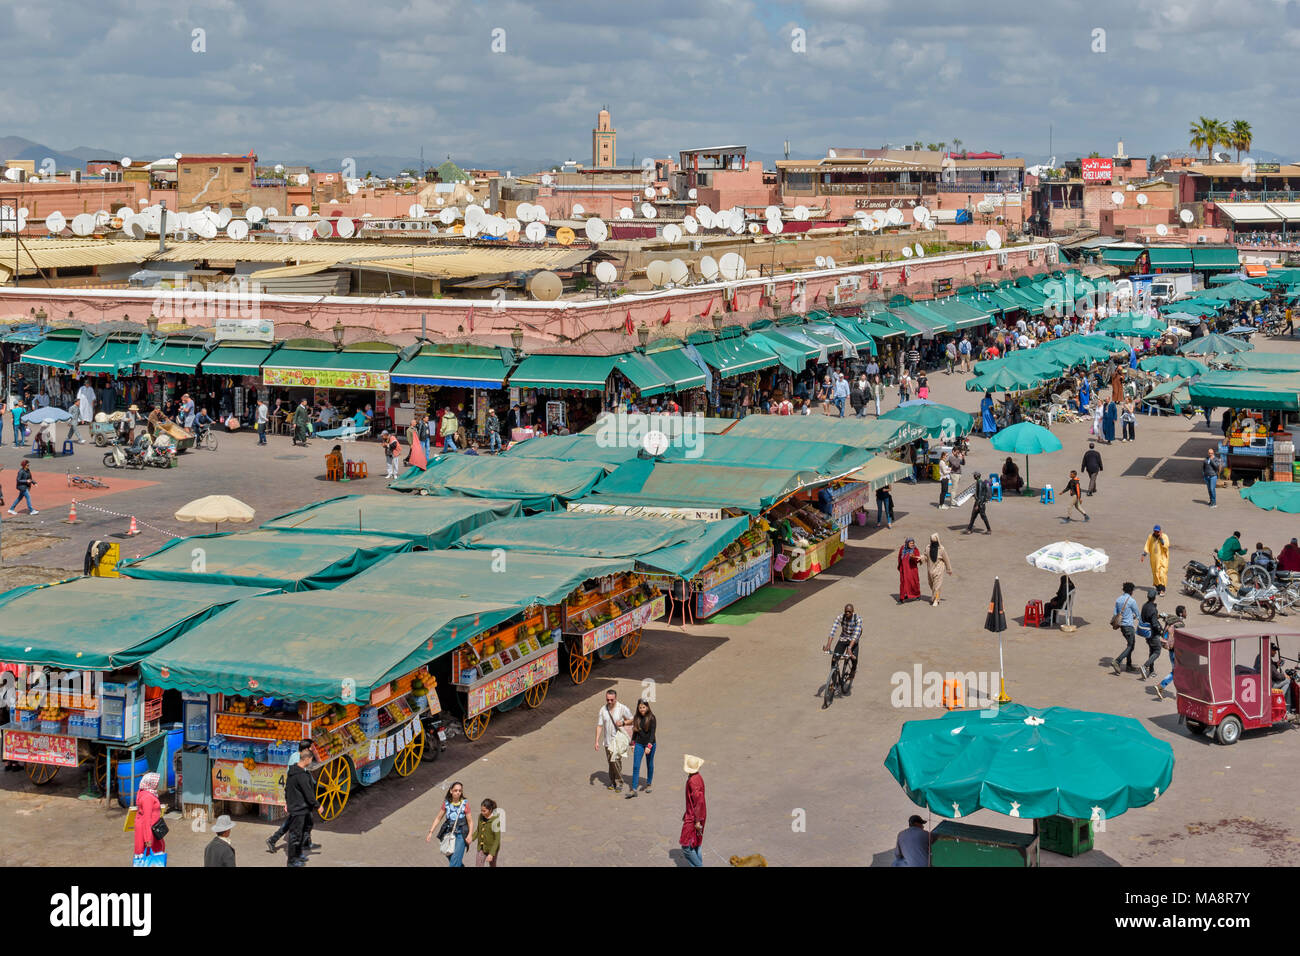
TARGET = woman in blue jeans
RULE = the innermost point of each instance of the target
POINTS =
(884, 506)
(453, 818)
(643, 743)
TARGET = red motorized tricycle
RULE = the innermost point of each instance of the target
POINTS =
(1230, 682)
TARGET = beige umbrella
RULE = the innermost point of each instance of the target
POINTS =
(217, 510)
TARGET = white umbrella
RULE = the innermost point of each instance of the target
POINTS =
(1068, 557)
(216, 510)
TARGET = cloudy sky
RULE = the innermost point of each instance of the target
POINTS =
(488, 81)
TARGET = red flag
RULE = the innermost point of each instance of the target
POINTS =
(471, 318)
(627, 322)
(989, 267)
(707, 310)
(902, 276)
(667, 315)
(418, 458)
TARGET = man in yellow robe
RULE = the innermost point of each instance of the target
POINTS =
(1157, 549)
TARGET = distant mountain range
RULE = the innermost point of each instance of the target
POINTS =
(16, 147)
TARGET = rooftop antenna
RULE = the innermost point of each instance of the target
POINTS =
(162, 229)
(787, 149)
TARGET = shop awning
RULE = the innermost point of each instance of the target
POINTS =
(792, 354)
(112, 357)
(667, 545)
(430, 367)
(672, 485)
(235, 360)
(855, 333)
(1126, 256)
(326, 369)
(608, 447)
(736, 356)
(54, 353)
(871, 434)
(538, 484)
(678, 369)
(878, 330)
(587, 373)
(643, 373)
(1170, 257)
(614, 424)
(306, 647)
(921, 320)
(280, 559)
(1217, 257)
(1248, 212)
(101, 623)
(881, 471)
(178, 358)
(962, 314)
(740, 451)
(1263, 391)
(429, 522)
(830, 343)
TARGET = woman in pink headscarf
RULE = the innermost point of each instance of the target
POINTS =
(148, 811)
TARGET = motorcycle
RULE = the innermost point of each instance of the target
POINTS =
(1198, 579)
(1258, 603)
(439, 729)
(124, 456)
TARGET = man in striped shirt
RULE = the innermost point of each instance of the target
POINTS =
(849, 629)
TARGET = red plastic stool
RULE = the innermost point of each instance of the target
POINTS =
(1034, 614)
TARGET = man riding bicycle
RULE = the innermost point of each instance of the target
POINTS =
(848, 627)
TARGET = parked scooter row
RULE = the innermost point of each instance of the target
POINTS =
(138, 455)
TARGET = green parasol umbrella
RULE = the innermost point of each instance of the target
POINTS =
(1031, 763)
(1214, 344)
(1175, 366)
(1026, 438)
(1132, 325)
(1274, 496)
(939, 421)
(1007, 379)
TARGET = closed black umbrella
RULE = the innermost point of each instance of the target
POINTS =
(996, 621)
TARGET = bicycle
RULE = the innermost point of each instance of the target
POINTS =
(206, 439)
(84, 481)
(840, 679)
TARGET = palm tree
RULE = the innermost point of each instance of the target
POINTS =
(1242, 136)
(1203, 134)
(1222, 134)
(956, 144)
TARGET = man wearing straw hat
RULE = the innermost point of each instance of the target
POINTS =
(696, 812)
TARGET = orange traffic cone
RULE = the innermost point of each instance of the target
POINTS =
(72, 513)
(133, 530)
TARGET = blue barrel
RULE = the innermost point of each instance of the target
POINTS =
(175, 743)
(129, 775)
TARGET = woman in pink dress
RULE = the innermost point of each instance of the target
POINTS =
(909, 578)
(148, 811)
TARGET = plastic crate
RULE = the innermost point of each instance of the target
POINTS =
(1065, 835)
(1281, 475)
(371, 772)
(281, 752)
(51, 726)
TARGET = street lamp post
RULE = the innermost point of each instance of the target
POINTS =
(338, 335)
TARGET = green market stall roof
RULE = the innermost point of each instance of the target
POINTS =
(461, 367)
(871, 434)
(667, 545)
(429, 522)
(609, 424)
(288, 560)
(119, 353)
(1281, 496)
(747, 451)
(55, 351)
(101, 623)
(734, 355)
(585, 372)
(585, 448)
(1263, 361)
(236, 360)
(1215, 257)
(678, 369)
(521, 578)
(1256, 390)
(538, 484)
(1171, 257)
(179, 357)
(670, 485)
(939, 421)
(325, 646)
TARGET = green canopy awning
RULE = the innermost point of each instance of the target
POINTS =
(653, 484)
(1170, 257)
(792, 354)
(643, 373)
(855, 333)
(235, 360)
(457, 369)
(608, 449)
(668, 545)
(1263, 391)
(1215, 257)
(538, 484)
(678, 369)
(1238, 292)
(585, 372)
(52, 352)
(740, 451)
(328, 369)
(287, 560)
(939, 421)
(180, 358)
(101, 623)
(736, 356)
(428, 522)
(611, 424)
(962, 314)
(878, 330)
(1121, 257)
(920, 319)
(322, 646)
(1263, 361)
(871, 434)
(114, 356)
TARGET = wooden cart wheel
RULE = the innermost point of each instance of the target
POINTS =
(41, 773)
(631, 642)
(476, 726)
(408, 758)
(534, 696)
(96, 758)
(333, 787)
(579, 666)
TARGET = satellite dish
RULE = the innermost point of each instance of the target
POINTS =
(895, 217)
(237, 229)
(647, 210)
(1186, 215)
(717, 220)
(984, 206)
(254, 214)
(353, 189)
(496, 226)
(605, 272)
(83, 224)
(701, 210)
(678, 271)
(657, 273)
(731, 266)
(625, 213)
(126, 161)
(224, 217)
(929, 224)
(737, 223)
(595, 229)
(135, 230)
(654, 443)
(447, 216)
(663, 192)
(830, 262)
(302, 179)
(673, 232)
(1141, 199)
(513, 225)
(474, 215)
(871, 224)
(920, 213)
(772, 212)
(548, 179)
(993, 239)
(535, 232)
(708, 267)
(1117, 198)
(205, 228)
(1162, 230)
(691, 193)
(564, 236)
(278, 167)
(754, 228)
(774, 226)
(907, 252)
(55, 222)
(525, 212)
(512, 235)
(649, 192)
(177, 155)
(579, 209)
(471, 231)
(821, 262)
(546, 286)
(271, 212)
(324, 229)
(691, 224)
(801, 213)
(918, 249)
(303, 232)
(301, 211)
(415, 211)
